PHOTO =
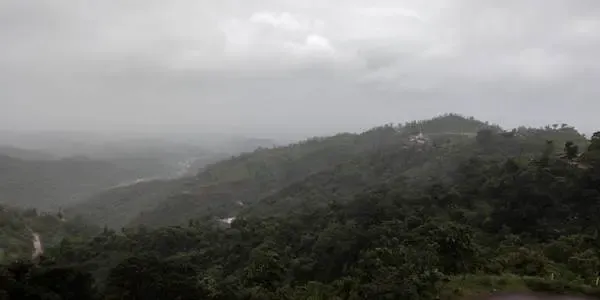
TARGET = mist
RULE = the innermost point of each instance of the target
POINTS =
(299, 149)
(294, 68)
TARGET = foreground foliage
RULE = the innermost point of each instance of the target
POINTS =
(17, 227)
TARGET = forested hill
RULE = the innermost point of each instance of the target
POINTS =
(513, 211)
(226, 187)
(437, 159)
(313, 171)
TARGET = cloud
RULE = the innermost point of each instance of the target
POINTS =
(284, 20)
(387, 12)
(538, 63)
(308, 66)
(313, 46)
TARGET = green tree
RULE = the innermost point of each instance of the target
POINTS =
(571, 150)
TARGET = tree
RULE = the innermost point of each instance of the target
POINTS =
(264, 267)
(485, 137)
(148, 277)
(571, 150)
(23, 280)
(595, 142)
(456, 247)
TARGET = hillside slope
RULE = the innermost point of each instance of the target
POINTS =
(322, 170)
(221, 186)
(50, 184)
(17, 227)
(229, 186)
(406, 164)
(276, 179)
(116, 207)
(493, 221)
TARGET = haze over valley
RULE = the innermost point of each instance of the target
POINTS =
(287, 149)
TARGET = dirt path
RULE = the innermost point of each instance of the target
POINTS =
(38, 249)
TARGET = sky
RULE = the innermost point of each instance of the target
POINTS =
(295, 67)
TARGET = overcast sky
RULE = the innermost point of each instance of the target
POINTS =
(266, 67)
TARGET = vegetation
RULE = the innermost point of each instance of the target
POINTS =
(17, 227)
(116, 207)
(227, 187)
(50, 184)
(368, 216)
(35, 179)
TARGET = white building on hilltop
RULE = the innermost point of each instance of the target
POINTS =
(419, 139)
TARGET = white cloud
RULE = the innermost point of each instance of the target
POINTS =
(313, 45)
(282, 20)
(539, 64)
(586, 28)
(387, 12)
(441, 50)
(285, 38)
